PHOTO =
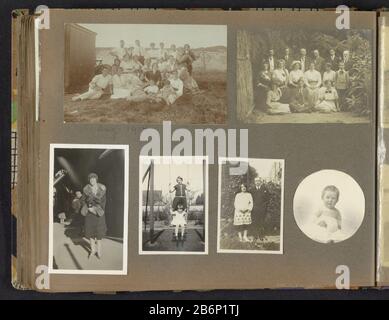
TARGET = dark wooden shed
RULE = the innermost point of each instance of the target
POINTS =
(245, 90)
(80, 57)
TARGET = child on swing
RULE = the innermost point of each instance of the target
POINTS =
(180, 193)
(179, 220)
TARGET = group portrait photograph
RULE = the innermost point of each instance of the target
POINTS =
(304, 76)
(127, 73)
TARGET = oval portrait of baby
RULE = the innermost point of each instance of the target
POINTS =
(329, 206)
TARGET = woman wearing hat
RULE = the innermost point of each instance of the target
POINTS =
(94, 198)
(280, 74)
(295, 75)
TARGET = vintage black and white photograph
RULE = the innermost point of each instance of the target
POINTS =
(329, 206)
(88, 209)
(145, 73)
(304, 76)
(173, 213)
(250, 217)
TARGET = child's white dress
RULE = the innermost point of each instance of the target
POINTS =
(119, 87)
(179, 218)
(328, 99)
(324, 229)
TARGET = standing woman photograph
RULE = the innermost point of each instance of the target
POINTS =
(94, 212)
(242, 216)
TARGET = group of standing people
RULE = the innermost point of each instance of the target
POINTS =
(250, 209)
(302, 84)
(139, 74)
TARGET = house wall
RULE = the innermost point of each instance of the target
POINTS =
(80, 57)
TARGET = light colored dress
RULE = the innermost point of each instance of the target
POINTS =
(329, 75)
(273, 104)
(325, 226)
(243, 202)
(280, 76)
(96, 87)
(295, 76)
(178, 218)
(119, 84)
(136, 89)
(173, 91)
(313, 81)
(327, 98)
(152, 89)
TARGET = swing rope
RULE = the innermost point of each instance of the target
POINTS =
(147, 193)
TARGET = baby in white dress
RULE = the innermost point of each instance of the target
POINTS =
(328, 219)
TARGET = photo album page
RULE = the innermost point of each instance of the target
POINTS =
(201, 150)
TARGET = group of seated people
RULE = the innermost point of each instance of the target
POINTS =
(304, 84)
(139, 74)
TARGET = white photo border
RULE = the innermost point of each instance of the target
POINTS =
(125, 148)
(223, 160)
(180, 159)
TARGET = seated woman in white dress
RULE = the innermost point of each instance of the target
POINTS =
(96, 87)
(329, 74)
(280, 75)
(295, 75)
(328, 99)
(119, 85)
(272, 101)
(172, 90)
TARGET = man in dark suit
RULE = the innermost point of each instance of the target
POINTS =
(288, 59)
(348, 64)
(304, 60)
(318, 61)
(260, 196)
(333, 60)
(271, 60)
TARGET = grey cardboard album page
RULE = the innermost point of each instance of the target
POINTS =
(200, 150)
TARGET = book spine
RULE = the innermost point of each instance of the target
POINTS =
(27, 145)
